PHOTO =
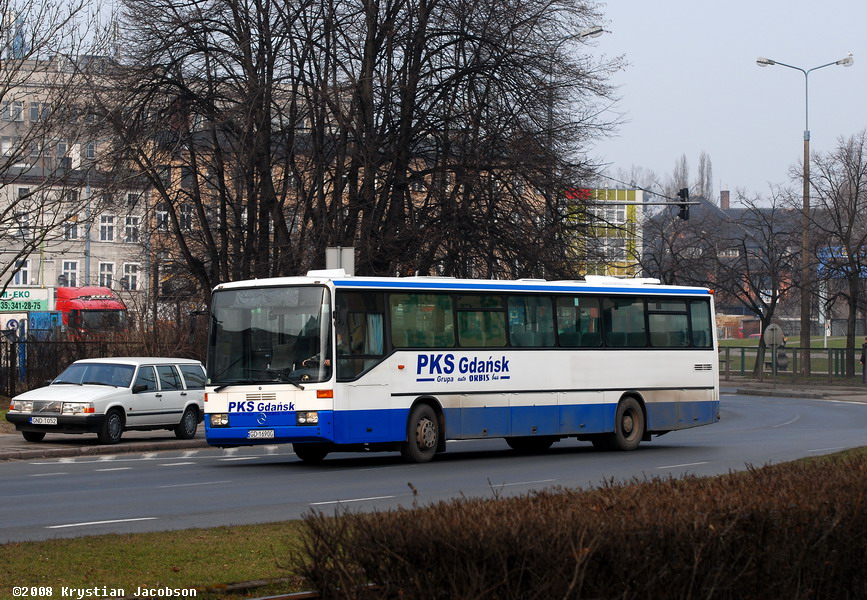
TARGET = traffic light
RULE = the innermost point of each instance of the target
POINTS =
(683, 194)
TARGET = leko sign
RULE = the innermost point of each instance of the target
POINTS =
(25, 299)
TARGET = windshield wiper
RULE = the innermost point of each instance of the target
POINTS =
(98, 383)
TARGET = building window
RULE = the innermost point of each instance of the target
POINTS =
(131, 232)
(70, 272)
(162, 216)
(22, 272)
(70, 228)
(130, 276)
(90, 150)
(22, 222)
(132, 200)
(106, 228)
(38, 111)
(186, 217)
(106, 274)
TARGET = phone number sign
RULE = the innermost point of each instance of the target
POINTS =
(24, 299)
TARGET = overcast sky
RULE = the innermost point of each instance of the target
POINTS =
(692, 84)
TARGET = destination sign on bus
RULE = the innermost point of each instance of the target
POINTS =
(24, 299)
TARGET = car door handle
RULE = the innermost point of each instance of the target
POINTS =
(159, 395)
(183, 393)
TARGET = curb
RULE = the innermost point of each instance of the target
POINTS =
(9, 454)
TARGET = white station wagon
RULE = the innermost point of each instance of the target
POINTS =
(108, 396)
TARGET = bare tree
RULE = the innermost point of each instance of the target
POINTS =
(839, 182)
(704, 178)
(432, 136)
(43, 162)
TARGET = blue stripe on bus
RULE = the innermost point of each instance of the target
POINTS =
(552, 288)
(389, 425)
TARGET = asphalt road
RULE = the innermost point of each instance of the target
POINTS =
(137, 491)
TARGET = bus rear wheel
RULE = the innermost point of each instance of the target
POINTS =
(310, 453)
(628, 425)
(422, 435)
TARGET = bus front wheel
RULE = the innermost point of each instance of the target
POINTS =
(310, 453)
(628, 425)
(422, 435)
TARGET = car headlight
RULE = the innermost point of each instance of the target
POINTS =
(219, 420)
(309, 417)
(22, 405)
(78, 407)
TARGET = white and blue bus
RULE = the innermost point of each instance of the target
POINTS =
(333, 363)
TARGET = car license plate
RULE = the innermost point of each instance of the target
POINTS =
(43, 420)
(260, 434)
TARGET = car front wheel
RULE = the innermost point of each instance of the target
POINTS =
(112, 427)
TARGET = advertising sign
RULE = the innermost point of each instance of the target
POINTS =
(25, 299)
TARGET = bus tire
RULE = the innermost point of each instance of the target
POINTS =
(33, 436)
(112, 427)
(530, 444)
(310, 453)
(628, 425)
(422, 435)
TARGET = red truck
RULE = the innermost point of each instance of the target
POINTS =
(91, 310)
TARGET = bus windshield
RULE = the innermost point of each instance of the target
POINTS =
(270, 335)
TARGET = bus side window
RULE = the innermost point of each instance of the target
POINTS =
(702, 335)
(578, 322)
(531, 321)
(623, 320)
(481, 321)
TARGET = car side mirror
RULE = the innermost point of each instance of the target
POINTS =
(139, 387)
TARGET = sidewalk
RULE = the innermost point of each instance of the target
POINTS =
(797, 390)
(57, 445)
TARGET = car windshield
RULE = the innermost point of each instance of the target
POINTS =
(96, 374)
(270, 335)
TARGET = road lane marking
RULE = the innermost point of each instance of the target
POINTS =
(836, 449)
(527, 482)
(47, 474)
(695, 464)
(351, 500)
(180, 464)
(789, 422)
(179, 485)
(87, 523)
(238, 458)
(114, 469)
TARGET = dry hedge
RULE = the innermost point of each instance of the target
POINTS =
(794, 531)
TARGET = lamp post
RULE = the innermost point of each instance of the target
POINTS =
(806, 273)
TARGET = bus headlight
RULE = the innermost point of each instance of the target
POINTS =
(219, 420)
(78, 407)
(309, 417)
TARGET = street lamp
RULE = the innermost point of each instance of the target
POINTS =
(806, 274)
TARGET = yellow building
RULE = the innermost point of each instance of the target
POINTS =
(613, 242)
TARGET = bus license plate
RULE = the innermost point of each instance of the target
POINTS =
(43, 420)
(260, 434)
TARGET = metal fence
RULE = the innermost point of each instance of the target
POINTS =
(28, 364)
(827, 364)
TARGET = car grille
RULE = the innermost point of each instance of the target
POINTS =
(44, 406)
